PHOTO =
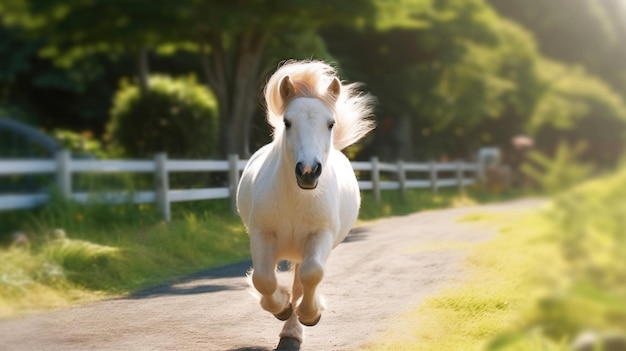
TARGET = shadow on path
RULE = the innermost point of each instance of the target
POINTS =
(197, 283)
(356, 234)
(256, 348)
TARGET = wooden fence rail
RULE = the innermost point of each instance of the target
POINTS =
(382, 176)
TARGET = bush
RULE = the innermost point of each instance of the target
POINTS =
(178, 116)
(81, 144)
(559, 173)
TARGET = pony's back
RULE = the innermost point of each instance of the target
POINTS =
(311, 79)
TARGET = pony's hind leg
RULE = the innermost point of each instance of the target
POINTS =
(311, 272)
(274, 299)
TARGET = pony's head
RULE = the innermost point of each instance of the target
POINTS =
(311, 113)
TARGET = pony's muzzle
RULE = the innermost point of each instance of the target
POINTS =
(307, 175)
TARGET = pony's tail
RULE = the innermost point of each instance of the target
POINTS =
(353, 110)
(251, 289)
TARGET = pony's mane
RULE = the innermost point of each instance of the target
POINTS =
(311, 79)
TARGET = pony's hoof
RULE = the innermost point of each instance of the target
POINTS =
(312, 323)
(288, 344)
(285, 314)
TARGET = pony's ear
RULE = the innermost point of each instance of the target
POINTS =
(286, 88)
(334, 89)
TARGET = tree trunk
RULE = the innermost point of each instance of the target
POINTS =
(233, 76)
(144, 70)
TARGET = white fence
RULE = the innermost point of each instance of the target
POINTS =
(63, 167)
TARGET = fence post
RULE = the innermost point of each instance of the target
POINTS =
(375, 179)
(481, 174)
(402, 177)
(64, 173)
(233, 180)
(433, 177)
(161, 177)
(459, 175)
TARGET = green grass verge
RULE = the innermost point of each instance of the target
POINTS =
(106, 251)
(393, 203)
(80, 253)
(546, 278)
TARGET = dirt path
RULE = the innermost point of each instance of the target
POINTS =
(378, 272)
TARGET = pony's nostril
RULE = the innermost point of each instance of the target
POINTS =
(299, 168)
(318, 169)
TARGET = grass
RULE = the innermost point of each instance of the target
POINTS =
(79, 253)
(109, 251)
(464, 315)
(545, 279)
(393, 203)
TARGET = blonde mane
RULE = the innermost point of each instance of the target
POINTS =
(311, 79)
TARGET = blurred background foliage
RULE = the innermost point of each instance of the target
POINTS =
(450, 76)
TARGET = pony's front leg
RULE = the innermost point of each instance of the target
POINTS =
(318, 249)
(274, 299)
(291, 335)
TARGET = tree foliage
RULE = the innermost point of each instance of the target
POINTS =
(450, 76)
(458, 88)
(467, 77)
(587, 32)
(575, 107)
(233, 38)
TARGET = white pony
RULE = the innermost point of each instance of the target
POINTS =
(298, 195)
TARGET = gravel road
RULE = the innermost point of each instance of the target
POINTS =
(376, 274)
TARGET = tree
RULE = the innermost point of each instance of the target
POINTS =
(459, 79)
(229, 36)
(33, 89)
(587, 32)
(72, 30)
(233, 37)
(467, 77)
(575, 107)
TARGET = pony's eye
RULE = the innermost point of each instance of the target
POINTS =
(287, 123)
(331, 125)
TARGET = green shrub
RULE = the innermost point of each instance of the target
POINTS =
(560, 172)
(593, 222)
(80, 144)
(178, 116)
